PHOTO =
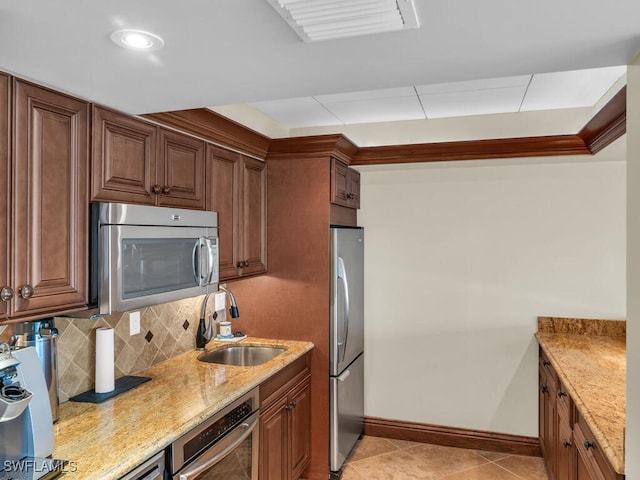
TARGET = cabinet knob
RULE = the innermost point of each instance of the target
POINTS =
(293, 403)
(588, 444)
(26, 291)
(546, 363)
(6, 294)
(156, 189)
(166, 189)
(544, 389)
(242, 264)
(566, 443)
(561, 394)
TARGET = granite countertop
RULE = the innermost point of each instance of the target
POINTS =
(105, 441)
(590, 360)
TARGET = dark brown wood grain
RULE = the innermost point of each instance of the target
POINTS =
(333, 145)
(452, 437)
(124, 160)
(50, 201)
(5, 185)
(181, 168)
(609, 124)
(215, 128)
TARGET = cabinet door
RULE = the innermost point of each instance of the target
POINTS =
(299, 428)
(547, 420)
(586, 465)
(50, 211)
(272, 464)
(181, 171)
(339, 185)
(222, 196)
(124, 159)
(254, 216)
(5, 190)
(565, 450)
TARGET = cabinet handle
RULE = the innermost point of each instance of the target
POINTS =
(246, 263)
(546, 363)
(561, 394)
(156, 189)
(166, 189)
(6, 294)
(544, 389)
(566, 443)
(26, 292)
(588, 444)
(242, 264)
(293, 403)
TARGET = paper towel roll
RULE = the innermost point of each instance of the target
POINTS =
(105, 381)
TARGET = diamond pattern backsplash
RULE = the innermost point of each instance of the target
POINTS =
(162, 336)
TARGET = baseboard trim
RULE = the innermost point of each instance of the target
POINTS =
(452, 436)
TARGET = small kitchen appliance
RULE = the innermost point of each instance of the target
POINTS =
(42, 335)
(143, 255)
(26, 427)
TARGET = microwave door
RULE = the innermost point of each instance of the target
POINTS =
(144, 266)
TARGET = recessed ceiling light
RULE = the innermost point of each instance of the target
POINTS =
(137, 40)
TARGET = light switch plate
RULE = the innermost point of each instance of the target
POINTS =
(134, 323)
(220, 301)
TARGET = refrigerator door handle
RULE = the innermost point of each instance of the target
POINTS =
(344, 375)
(342, 274)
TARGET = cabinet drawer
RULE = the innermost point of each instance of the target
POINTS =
(591, 452)
(564, 403)
(283, 381)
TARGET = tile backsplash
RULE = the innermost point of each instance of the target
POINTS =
(166, 330)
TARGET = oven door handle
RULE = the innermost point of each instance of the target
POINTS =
(220, 450)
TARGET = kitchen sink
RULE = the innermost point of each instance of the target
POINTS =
(243, 356)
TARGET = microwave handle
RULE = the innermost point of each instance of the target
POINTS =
(212, 255)
(197, 261)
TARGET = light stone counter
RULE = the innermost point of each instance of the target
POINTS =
(106, 440)
(591, 364)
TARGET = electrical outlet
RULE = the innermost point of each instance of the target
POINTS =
(220, 301)
(134, 323)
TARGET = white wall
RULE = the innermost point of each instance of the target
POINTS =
(461, 258)
(632, 454)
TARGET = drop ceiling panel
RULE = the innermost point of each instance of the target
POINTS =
(579, 88)
(377, 110)
(367, 95)
(474, 102)
(297, 112)
(483, 84)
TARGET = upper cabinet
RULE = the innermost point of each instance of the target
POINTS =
(236, 189)
(137, 162)
(345, 185)
(5, 108)
(47, 235)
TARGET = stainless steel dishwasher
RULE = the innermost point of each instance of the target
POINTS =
(222, 447)
(152, 469)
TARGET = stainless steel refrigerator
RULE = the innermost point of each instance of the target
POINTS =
(346, 338)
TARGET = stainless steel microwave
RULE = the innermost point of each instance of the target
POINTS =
(144, 255)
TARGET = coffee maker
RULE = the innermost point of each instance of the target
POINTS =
(26, 427)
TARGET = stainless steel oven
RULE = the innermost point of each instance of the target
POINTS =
(223, 447)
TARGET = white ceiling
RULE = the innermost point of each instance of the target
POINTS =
(547, 91)
(240, 51)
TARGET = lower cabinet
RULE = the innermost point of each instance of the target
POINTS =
(285, 420)
(569, 448)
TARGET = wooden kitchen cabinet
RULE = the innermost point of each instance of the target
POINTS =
(547, 413)
(47, 235)
(345, 185)
(5, 111)
(569, 448)
(137, 162)
(285, 421)
(236, 189)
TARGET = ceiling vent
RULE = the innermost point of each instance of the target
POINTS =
(315, 20)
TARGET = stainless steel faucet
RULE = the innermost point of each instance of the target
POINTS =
(204, 332)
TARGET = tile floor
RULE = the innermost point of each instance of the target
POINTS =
(378, 458)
